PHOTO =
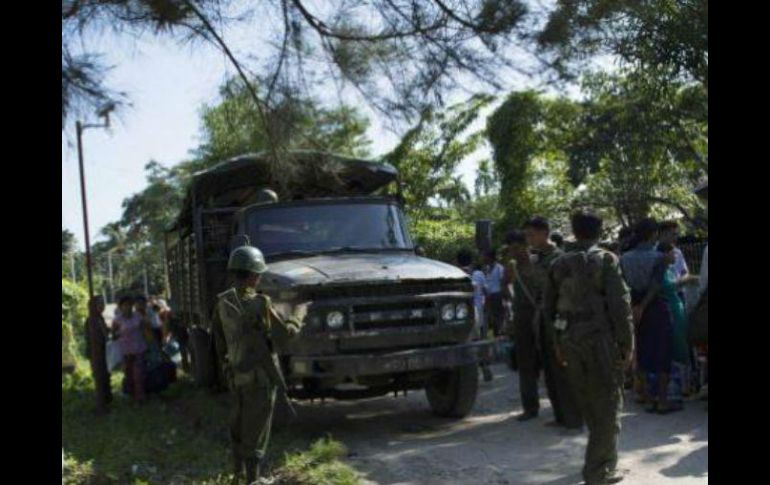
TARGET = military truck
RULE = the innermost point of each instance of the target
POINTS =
(381, 318)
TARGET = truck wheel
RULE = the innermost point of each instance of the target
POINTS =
(452, 393)
(202, 358)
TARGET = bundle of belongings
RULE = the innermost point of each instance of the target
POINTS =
(159, 368)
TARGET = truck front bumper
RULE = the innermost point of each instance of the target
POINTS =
(352, 365)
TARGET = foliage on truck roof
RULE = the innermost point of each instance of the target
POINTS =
(298, 174)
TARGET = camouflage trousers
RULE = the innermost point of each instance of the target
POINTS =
(251, 419)
(595, 374)
(535, 354)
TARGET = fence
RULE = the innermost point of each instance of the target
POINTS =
(693, 254)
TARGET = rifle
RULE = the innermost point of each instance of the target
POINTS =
(273, 371)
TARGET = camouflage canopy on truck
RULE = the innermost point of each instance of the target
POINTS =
(299, 175)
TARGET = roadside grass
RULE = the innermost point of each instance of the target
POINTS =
(177, 437)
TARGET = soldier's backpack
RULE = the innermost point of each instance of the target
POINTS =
(580, 288)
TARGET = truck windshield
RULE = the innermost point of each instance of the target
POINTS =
(328, 228)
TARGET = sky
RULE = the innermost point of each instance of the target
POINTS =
(167, 84)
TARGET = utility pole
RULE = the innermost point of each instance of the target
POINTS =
(79, 128)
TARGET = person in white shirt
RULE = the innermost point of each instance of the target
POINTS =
(465, 261)
(493, 276)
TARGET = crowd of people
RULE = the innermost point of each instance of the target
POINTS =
(508, 297)
(142, 336)
(593, 318)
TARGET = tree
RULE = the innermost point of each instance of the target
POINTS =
(67, 242)
(669, 37)
(634, 147)
(233, 126)
(71, 259)
(641, 146)
(147, 214)
(486, 181)
(401, 56)
(428, 155)
(528, 133)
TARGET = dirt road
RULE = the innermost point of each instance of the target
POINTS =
(397, 441)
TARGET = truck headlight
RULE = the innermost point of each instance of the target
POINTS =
(335, 320)
(448, 312)
(461, 311)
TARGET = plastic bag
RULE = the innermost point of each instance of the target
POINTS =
(114, 355)
(173, 350)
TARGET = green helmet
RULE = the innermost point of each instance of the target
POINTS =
(247, 258)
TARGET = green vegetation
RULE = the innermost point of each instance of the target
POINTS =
(178, 437)
(74, 299)
(632, 144)
(320, 465)
(632, 148)
(135, 243)
(443, 239)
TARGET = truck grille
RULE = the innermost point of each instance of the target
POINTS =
(389, 289)
(402, 314)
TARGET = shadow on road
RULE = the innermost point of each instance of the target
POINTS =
(641, 430)
(694, 464)
(398, 440)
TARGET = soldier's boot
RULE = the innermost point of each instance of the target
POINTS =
(614, 476)
(252, 470)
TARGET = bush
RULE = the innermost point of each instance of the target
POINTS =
(320, 465)
(178, 438)
(443, 239)
(74, 303)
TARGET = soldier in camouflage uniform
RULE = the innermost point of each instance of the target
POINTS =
(588, 313)
(534, 349)
(245, 326)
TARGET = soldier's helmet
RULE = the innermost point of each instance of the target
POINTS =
(247, 258)
(267, 196)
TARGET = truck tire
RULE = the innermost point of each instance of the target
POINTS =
(452, 393)
(202, 358)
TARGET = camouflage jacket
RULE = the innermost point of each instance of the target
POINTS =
(585, 288)
(534, 276)
(245, 327)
